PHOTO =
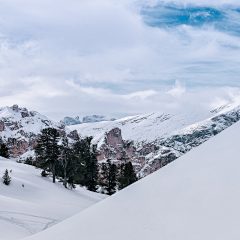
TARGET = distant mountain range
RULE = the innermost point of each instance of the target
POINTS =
(149, 141)
(67, 121)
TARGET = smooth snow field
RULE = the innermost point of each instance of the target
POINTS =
(39, 204)
(197, 197)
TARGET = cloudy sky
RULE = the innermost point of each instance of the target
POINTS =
(118, 58)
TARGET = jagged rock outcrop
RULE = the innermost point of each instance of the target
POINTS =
(115, 147)
(19, 129)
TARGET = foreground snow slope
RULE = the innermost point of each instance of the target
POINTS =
(39, 204)
(193, 198)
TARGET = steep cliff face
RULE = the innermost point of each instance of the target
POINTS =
(151, 141)
(19, 128)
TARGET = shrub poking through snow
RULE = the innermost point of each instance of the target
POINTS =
(6, 178)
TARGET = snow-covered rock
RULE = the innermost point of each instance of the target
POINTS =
(153, 140)
(19, 128)
(67, 121)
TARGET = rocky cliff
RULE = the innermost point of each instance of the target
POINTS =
(151, 141)
(19, 129)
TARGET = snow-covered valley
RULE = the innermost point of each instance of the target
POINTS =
(39, 204)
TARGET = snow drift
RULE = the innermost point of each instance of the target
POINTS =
(196, 197)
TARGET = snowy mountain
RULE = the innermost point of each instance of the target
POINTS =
(196, 197)
(39, 204)
(67, 121)
(153, 140)
(19, 128)
(149, 141)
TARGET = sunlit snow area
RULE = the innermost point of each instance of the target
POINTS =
(196, 197)
(39, 204)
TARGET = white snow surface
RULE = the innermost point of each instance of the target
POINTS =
(39, 204)
(193, 198)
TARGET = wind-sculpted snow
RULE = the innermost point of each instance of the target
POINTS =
(155, 139)
(194, 198)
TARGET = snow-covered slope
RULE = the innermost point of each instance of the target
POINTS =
(20, 127)
(194, 198)
(153, 140)
(39, 204)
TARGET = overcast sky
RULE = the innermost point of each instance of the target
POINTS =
(118, 58)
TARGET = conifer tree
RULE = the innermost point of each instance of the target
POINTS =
(127, 175)
(88, 158)
(69, 163)
(47, 150)
(109, 177)
(6, 178)
(4, 151)
(65, 158)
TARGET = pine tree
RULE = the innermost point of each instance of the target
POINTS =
(69, 163)
(47, 150)
(4, 151)
(109, 177)
(127, 175)
(6, 178)
(88, 158)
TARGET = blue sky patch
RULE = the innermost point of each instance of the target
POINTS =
(167, 16)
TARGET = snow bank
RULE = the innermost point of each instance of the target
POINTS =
(39, 204)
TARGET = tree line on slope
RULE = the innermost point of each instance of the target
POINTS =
(76, 163)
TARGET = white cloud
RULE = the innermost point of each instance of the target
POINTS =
(117, 64)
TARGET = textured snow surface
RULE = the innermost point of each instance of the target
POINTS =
(196, 197)
(39, 204)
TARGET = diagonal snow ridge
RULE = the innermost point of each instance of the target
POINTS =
(196, 197)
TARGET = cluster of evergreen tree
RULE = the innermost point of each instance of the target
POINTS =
(113, 177)
(4, 151)
(76, 163)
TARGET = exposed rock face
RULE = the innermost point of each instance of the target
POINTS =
(2, 126)
(119, 150)
(115, 147)
(19, 129)
(15, 108)
(152, 141)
